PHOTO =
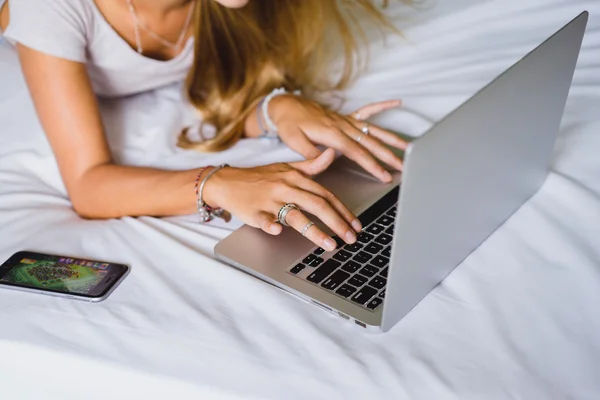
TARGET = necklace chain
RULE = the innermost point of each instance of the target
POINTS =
(139, 23)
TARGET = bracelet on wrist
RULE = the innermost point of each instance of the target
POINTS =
(206, 212)
(269, 131)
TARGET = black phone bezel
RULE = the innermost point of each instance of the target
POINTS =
(104, 286)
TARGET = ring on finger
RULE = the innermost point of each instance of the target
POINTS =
(364, 132)
(366, 129)
(306, 227)
(283, 212)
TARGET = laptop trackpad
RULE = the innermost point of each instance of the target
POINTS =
(355, 187)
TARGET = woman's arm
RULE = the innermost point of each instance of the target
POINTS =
(67, 108)
(69, 113)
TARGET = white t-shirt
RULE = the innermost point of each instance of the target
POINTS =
(76, 30)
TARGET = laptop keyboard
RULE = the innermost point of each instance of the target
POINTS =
(357, 272)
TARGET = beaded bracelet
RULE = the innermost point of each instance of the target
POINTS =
(262, 109)
(265, 108)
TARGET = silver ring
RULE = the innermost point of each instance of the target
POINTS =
(283, 212)
(306, 227)
(365, 129)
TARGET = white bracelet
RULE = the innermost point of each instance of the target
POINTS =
(271, 127)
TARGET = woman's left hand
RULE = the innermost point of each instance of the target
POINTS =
(303, 124)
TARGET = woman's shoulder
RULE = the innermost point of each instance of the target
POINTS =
(57, 27)
(73, 12)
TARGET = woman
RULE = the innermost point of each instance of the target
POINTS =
(238, 55)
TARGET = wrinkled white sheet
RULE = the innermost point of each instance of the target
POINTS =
(518, 319)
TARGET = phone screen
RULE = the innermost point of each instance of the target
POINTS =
(61, 274)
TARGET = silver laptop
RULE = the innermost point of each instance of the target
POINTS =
(461, 181)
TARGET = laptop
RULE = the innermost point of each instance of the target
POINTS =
(462, 179)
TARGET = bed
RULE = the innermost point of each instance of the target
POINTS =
(518, 319)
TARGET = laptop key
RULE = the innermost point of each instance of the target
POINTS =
(363, 295)
(384, 272)
(385, 220)
(383, 239)
(323, 271)
(319, 251)
(364, 237)
(373, 248)
(351, 266)
(316, 262)
(342, 255)
(373, 304)
(382, 294)
(357, 280)
(387, 252)
(345, 290)
(354, 247)
(340, 242)
(380, 261)
(390, 230)
(378, 282)
(362, 257)
(297, 268)
(309, 258)
(368, 271)
(392, 211)
(374, 229)
(335, 280)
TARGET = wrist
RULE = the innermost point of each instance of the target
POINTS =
(278, 106)
(210, 193)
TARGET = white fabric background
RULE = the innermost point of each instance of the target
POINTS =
(518, 319)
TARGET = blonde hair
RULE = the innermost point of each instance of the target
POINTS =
(243, 54)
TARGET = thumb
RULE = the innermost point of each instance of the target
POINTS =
(303, 146)
(316, 165)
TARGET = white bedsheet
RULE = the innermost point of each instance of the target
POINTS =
(518, 319)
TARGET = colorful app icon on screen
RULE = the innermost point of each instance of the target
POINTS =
(90, 264)
(27, 261)
(62, 260)
(103, 266)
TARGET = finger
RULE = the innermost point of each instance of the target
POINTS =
(385, 136)
(323, 210)
(349, 146)
(311, 186)
(383, 153)
(297, 220)
(375, 108)
(265, 221)
(303, 146)
(316, 165)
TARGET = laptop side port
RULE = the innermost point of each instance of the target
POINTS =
(341, 314)
(321, 305)
(360, 323)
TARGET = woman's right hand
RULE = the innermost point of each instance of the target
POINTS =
(255, 195)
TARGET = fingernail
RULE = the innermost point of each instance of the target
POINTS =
(356, 225)
(329, 244)
(386, 176)
(350, 237)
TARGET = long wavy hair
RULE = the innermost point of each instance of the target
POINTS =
(242, 54)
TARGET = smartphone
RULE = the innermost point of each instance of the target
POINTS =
(61, 276)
